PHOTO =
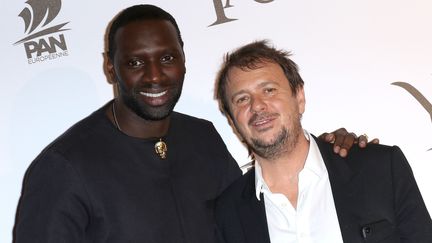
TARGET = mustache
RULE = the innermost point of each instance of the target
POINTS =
(261, 116)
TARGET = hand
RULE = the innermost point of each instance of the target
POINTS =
(343, 140)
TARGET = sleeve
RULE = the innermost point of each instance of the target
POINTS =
(231, 170)
(414, 222)
(53, 204)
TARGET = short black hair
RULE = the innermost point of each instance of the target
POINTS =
(249, 57)
(138, 13)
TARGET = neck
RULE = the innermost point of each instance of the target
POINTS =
(290, 162)
(133, 125)
(282, 174)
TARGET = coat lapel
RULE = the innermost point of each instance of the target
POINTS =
(252, 213)
(347, 190)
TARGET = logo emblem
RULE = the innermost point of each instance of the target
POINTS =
(43, 41)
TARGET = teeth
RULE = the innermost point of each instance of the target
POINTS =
(261, 122)
(153, 95)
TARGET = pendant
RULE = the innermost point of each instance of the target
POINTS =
(161, 149)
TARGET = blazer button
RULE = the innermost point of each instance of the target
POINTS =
(366, 231)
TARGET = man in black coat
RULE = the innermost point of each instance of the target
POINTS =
(299, 191)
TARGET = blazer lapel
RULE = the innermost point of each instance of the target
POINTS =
(347, 192)
(252, 213)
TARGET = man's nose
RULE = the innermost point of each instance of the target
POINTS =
(258, 104)
(153, 72)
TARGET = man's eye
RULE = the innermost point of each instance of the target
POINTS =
(135, 63)
(167, 58)
(242, 100)
(269, 90)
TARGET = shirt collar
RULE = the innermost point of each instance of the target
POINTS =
(260, 184)
(314, 163)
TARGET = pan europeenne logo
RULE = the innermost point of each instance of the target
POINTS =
(418, 96)
(221, 17)
(42, 42)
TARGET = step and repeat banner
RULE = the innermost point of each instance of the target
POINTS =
(367, 66)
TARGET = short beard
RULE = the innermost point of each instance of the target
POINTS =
(147, 112)
(284, 143)
(272, 150)
(150, 113)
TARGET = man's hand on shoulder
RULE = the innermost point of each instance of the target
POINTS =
(343, 140)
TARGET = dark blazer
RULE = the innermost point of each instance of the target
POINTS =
(374, 190)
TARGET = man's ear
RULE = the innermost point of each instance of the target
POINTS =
(111, 71)
(301, 100)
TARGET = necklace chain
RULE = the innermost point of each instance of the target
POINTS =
(115, 116)
(161, 148)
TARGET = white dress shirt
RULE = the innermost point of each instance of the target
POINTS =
(315, 219)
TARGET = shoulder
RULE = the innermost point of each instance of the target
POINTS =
(375, 155)
(184, 119)
(83, 131)
(83, 135)
(361, 156)
(376, 162)
(193, 126)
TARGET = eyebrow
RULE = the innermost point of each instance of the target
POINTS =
(260, 85)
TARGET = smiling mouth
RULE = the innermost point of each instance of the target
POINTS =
(153, 95)
(263, 124)
(261, 120)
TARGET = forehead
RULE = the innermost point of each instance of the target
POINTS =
(265, 73)
(147, 32)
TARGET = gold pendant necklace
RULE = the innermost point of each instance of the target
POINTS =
(160, 147)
